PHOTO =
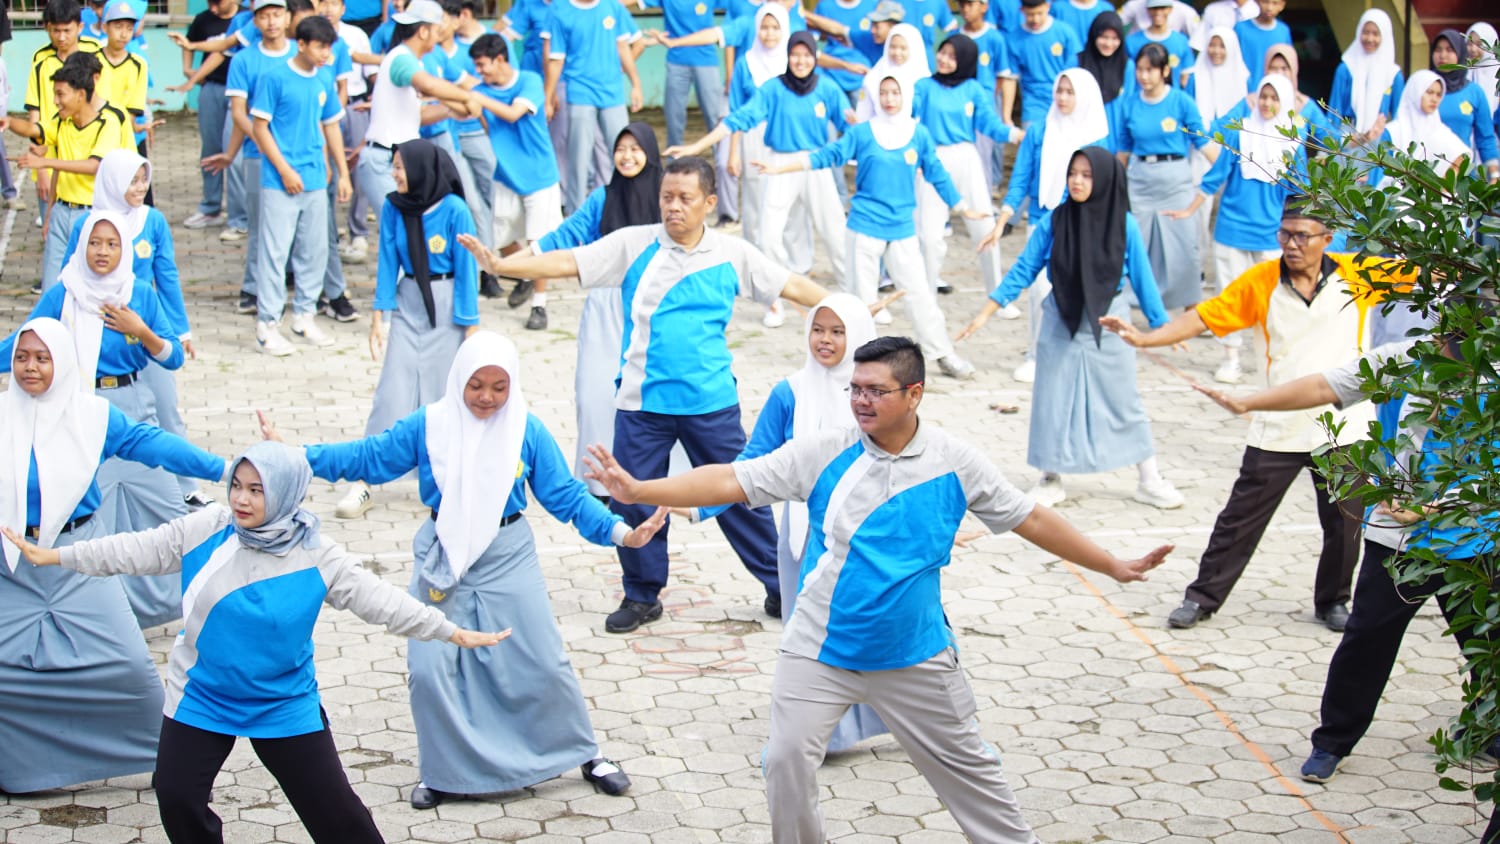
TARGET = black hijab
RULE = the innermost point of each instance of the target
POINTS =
(430, 176)
(1088, 245)
(634, 200)
(966, 54)
(1108, 71)
(801, 85)
(1458, 77)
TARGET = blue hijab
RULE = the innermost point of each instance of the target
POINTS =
(284, 475)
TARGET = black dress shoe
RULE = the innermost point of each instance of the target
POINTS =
(773, 606)
(520, 293)
(489, 286)
(630, 615)
(1188, 615)
(538, 319)
(1335, 618)
(606, 776)
(423, 797)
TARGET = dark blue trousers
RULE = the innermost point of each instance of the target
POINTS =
(643, 445)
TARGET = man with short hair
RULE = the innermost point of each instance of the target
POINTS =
(1040, 51)
(679, 281)
(884, 506)
(62, 19)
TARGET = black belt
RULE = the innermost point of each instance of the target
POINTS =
(1152, 159)
(110, 382)
(503, 522)
(432, 277)
(378, 145)
(33, 532)
(72, 204)
(360, 98)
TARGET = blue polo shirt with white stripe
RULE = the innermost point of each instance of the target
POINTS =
(298, 104)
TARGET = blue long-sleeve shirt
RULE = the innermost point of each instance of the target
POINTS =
(118, 354)
(793, 123)
(582, 226)
(1341, 98)
(1038, 253)
(958, 114)
(742, 86)
(1168, 127)
(153, 260)
(1026, 170)
(389, 455)
(1250, 212)
(137, 442)
(884, 205)
(443, 225)
(1467, 112)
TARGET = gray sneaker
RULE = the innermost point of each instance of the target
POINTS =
(1188, 615)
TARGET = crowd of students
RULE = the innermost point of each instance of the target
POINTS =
(482, 155)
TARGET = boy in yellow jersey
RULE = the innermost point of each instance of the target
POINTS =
(82, 132)
(63, 20)
(124, 77)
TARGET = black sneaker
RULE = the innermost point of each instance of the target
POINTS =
(339, 309)
(605, 776)
(772, 606)
(538, 319)
(521, 293)
(423, 797)
(489, 286)
(247, 304)
(630, 615)
(1188, 615)
(36, 289)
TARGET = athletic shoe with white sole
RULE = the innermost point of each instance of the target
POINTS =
(1048, 492)
(1229, 372)
(883, 316)
(199, 220)
(306, 328)
(1009, 312)
(233, 235)
(355, 503)
(1026, 372)
(954, 366)
(1159, 494)
(269, 340)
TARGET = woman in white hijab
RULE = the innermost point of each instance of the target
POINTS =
(1368, 83)
(120, 328)
(1485, 64)
(80, 698)
(1219, 78)
(488, 725)
(1419, 126)
(904, 58)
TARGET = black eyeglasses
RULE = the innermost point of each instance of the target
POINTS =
(1301, 239)
(857, 392)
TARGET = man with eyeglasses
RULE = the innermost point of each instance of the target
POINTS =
(1314, 312)
(884, 506)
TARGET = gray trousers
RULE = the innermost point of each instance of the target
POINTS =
(929, 708)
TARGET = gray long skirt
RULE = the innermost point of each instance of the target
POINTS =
(1172, 244)
(162, 383)
(1086, 413)
(80, 699)
(132, 498)
(417, 355)
(861, 721)
(500, 718)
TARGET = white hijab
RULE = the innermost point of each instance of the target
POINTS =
(916, 66)
(1066, 134)
(821, 392)
(64, 428)
(475, 461)
(1433, 138)
(1218, 88)
(1483, 74)
(87, 291)
(116, 171)
(1372, 73)
(1263, 147)
(767, 63)
(894, 131)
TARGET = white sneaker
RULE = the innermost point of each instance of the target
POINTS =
(774, 317)
(355, 251)
(269, 340)
(199, 220)
(1026, 372)
(305, 327)
(1009, 312)
(1159, 494)
(954, 366)
(1229, 372)
(37, 223)
(355, 503)
(1048, 492)
(883, 316)
(233, 235)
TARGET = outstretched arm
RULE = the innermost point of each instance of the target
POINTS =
(1187, 324)
(704, 486)
(1303, 393)
(558, 264)
(1055, 535)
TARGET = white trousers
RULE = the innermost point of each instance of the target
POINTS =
(812, 190)
(930, 710)
(1230, 264)
(903, 263)
(796, 237)
(967, 171)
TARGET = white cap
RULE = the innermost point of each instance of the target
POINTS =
(420, 11)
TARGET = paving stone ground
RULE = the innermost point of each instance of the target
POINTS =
(1112, 727)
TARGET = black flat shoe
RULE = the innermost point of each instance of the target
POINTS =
(630, 615)
(605, 776)
(489, 286)
(772, 606)
(423, 797)
(521, 293)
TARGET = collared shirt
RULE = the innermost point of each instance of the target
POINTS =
(586, 38)
(880, 531)
(66, 141)
(124, 85)
(246, 70)
(524, 160)
(675, 359)
(39, 96)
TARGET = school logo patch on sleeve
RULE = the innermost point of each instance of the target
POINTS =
(911, 157)
(1466, 108)
(609, 22)
(700, 9)
(1173, 61)
(864, 24)
(1057, 48)
(968, 109)
(1169, 124)
(928, 21)
(820, 110)
(143, 250)
(984, 59)
(322, 98)
(436, 245)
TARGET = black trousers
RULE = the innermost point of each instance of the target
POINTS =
(307, 768)
(1264, 478)
(1362, 662)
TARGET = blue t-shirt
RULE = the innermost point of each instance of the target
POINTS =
(862, 43)
(460, 64)
(1168, 127)
(1038, 58)
(793, 123)
(1250, 212)
(1079, 20)
(994, 56)
(1467, 112)
(586, 40)
(434, 62)
(1255, 42)
(580, 227)
(245, 72)
(529, 18)
(359, 10)
(1005, 15)
(442, 225)
(380, 39)
(930, 17)
(884, 204)
(524, 159)
(1180, 54)
(684, 17)
(298, 104)
(739, 33)
(956, 115)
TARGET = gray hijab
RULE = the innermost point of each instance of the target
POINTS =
(284, 475)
